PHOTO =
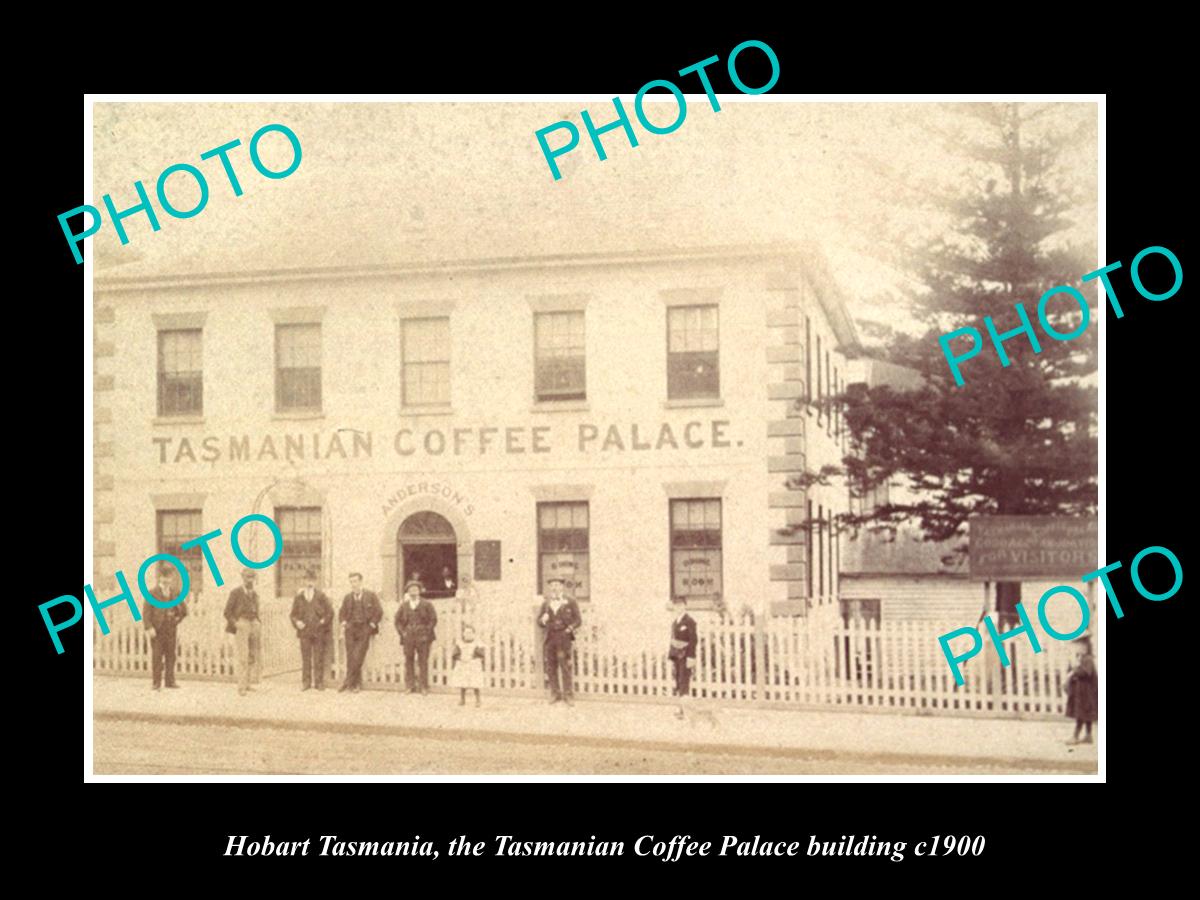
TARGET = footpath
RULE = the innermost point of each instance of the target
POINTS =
(993, 744)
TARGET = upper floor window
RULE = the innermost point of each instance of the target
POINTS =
(559, 356)
(693, 364)
(298, 367)
(180, 373)
(425, 355)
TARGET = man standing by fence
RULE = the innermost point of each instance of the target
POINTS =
(241, 614)
(312, 617)
(683, 652)
(160, 625)
(359, 615)
(560, 617)
(415, 621)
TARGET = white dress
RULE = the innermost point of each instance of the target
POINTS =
(468, 668)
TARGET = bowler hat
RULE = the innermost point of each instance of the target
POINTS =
(415, 584)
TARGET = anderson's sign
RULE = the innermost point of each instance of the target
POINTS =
(486, 440)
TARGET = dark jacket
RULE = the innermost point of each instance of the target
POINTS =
(362, 615)
(242, 604)
(416, 626)
(1082, 690)
(560, 626)
(683, 632)
(317, 616)
(162, 619)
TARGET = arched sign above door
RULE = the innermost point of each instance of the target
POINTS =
(426, 527)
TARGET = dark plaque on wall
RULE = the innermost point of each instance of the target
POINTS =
(487, 560)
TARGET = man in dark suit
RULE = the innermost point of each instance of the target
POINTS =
(312, 617)
(415, 622)
(160, 624)
(560, 617)
(683, 652)
(359, 615)
(242, 618)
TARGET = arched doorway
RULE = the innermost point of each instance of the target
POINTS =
(427, 549)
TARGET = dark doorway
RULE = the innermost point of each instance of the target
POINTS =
(429, 554)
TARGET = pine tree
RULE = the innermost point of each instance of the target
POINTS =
(1012, 440)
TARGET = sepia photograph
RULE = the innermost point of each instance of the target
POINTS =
(759, 446)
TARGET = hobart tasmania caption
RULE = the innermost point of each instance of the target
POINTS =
(667, 850)
(566, 479)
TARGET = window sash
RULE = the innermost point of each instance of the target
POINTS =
(177, 527)
(425, 361)
(563, 549)
(302, 547)
(298, 367)
(693, 352)
(693, 374)
(696, 549)
(180, 372)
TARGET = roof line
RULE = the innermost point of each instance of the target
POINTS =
(814, 264)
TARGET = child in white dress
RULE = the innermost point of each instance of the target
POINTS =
(468, 665)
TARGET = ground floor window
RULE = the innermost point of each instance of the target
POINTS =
(563, 547)
(175, 528)
(696, 550)
(301, 529)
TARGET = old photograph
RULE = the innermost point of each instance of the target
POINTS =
(478, 450)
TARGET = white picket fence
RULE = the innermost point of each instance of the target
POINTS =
(779, 662)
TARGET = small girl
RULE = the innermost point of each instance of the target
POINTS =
(1082, 692)
(468, 665)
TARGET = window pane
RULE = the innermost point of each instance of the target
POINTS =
(426, 340)
(697, 573)
(180, 380)
(301, 530)
(175, 528)
(692, 352)
(563, 546)
(559, 356)
(425, 373)
(298, 366)
(696, 548)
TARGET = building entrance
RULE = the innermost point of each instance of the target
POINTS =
(428, 551)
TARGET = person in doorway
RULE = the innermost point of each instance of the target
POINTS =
(312, 617)
(416, 621)
(359, 615)
(242, 618)
(560, 618)
(468, 662)
(682, 652)
(160, 625)
(446, 585)
(1082, 692)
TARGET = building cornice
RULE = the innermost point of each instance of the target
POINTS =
(805, 256)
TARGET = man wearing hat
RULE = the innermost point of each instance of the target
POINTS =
(682, 652)
(241, 614)
(415, 621)
(160, 624)
(312, 617)
(560, 617)
(359, 615)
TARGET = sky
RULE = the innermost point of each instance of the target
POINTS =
(393, 183)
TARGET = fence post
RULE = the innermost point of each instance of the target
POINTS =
(760, 653)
